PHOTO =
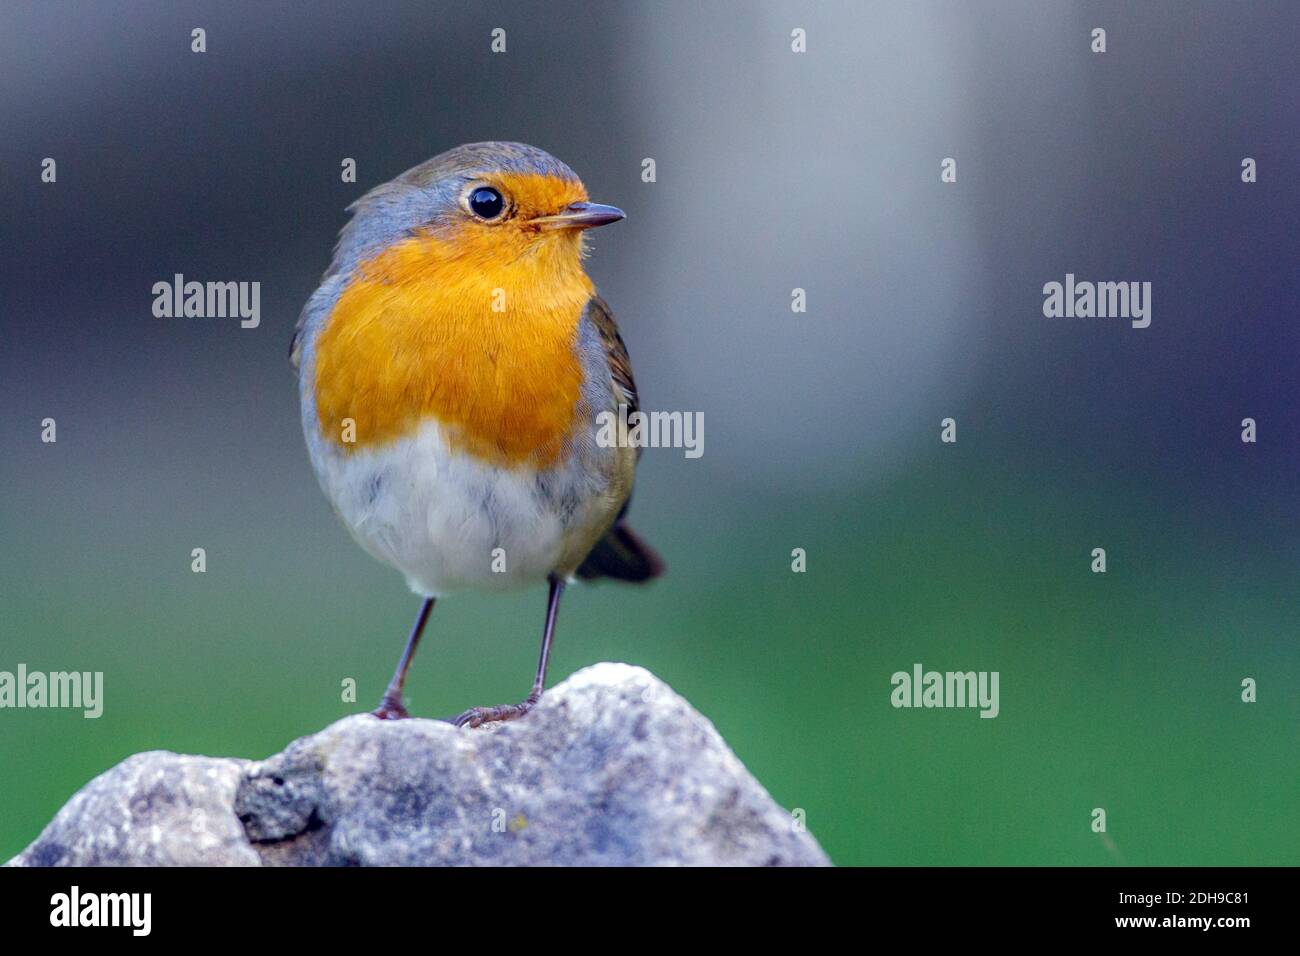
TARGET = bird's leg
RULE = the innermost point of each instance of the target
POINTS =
(482, 715)
(391, 707)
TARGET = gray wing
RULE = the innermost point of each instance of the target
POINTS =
(620, 554)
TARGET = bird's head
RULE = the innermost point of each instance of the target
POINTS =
(483, 206)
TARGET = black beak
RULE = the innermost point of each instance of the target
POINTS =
(581, 215)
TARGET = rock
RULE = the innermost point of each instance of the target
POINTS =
(612, 768)
(152, 809)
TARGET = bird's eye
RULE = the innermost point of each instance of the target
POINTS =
(486, 203)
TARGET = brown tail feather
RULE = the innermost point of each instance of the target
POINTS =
(623, 556)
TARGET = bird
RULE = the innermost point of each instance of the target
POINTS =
(453, 367)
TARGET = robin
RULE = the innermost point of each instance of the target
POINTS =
(451, 368)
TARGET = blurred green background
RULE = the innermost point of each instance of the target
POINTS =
(1117, 690)
(776, 171)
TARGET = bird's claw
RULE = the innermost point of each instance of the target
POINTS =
(477, 716)
(390, 710)
(471, 718)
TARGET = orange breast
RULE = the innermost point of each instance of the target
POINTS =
(457, 331)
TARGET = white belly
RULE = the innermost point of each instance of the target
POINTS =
(450, 522)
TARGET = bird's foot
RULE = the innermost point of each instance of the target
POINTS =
(477, 716)
(390, 709)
